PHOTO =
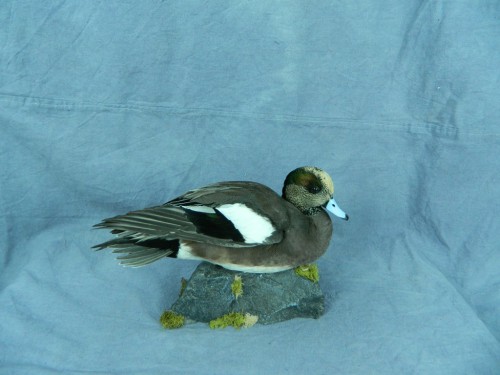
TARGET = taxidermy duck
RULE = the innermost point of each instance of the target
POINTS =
(239, 225)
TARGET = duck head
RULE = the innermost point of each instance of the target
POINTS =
(310, 189)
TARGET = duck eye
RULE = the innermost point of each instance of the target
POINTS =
(315, 189)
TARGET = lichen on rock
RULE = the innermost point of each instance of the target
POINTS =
(309, 272)
(234, 319)
(171, 320)
(237, 286)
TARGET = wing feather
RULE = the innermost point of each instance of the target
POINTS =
(174, 219)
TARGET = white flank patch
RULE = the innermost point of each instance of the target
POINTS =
(204, 209)
(185, 253)
(253, 227)
(254, 269)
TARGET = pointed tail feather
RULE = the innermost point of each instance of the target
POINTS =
(136, 253)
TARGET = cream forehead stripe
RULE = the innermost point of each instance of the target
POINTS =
(326, 180)
(253, 227)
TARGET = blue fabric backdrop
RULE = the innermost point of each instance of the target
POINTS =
(110, 106)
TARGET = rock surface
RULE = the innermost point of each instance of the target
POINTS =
(273, 297)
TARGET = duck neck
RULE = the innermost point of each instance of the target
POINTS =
(311, 211)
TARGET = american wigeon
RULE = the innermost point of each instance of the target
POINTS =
(243, 226)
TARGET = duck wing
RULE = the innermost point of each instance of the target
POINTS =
(230, 214)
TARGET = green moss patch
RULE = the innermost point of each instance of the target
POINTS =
(234, 319)
(308, 271)
(183, 286)
(237, 287)
(171, 320)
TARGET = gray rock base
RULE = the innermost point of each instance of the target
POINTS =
(273, 297)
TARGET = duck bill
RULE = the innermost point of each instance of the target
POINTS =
(333, 207)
